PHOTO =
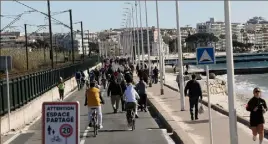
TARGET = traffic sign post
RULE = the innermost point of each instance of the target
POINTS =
(60, 123)
(206, 56)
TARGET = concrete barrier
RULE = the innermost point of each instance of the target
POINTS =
(33, 109)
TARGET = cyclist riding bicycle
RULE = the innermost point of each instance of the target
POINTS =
(131, 96)
(93, 99)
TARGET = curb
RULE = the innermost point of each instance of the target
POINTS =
(223, 111)
(178, 135)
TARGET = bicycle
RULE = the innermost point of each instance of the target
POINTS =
(95, 120)
(131, 118)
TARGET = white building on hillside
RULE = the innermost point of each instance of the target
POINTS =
(88, 37)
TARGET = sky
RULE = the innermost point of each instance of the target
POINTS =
(101, 15)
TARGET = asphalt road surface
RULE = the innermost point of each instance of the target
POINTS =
(115, 130)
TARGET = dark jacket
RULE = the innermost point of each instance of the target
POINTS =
(194, 89)
(123, 86)
(256, 117)
(114, 88)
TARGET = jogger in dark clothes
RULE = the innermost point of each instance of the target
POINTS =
(194, 93)
(257, 107)
(141, 89)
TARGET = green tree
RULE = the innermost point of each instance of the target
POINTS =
(203, 39)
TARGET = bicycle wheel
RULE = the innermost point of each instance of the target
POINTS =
(94, 127)
(133, 124)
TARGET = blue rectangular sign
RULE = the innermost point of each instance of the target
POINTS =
(205, 55)
(3, 63)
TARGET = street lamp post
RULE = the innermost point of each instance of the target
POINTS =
(148, 45)
(180, 58)
(230, 74)
(160, 60)
(141, 29)
(89, 43)
(82, 36)
(139, 63)
(134, 42)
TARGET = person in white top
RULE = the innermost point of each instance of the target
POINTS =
(131, 96)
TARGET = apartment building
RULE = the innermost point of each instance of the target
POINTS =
(260, 33)
(87, 38)
(8, 39)
(254, 31)
(214, 27)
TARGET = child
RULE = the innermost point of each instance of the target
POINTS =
(61, 87)
(257, 107)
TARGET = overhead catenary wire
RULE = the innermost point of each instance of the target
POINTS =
(18, 17)
(60, 12)
(12, 22)
(43, 14)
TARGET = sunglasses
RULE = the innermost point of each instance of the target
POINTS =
(257, 91)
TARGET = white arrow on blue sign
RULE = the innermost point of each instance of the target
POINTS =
(205, 55)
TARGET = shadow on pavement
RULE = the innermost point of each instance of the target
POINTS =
(197, 121)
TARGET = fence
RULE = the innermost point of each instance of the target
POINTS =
(26, 88)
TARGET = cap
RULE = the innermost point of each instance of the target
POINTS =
(257, 89)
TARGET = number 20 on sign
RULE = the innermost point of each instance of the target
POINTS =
(60, 122)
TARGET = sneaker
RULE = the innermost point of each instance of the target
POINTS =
(100, 127)
(254, 138)
(90, 124)
(136, 116)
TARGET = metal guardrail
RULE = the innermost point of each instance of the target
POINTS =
(25, 88)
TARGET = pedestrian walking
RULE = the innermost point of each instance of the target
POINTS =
(178, 81)
(115, 91)
(257, 107)
(155, 74)
(61, 87)
(194, 91)
(123, 87)
(141, 89)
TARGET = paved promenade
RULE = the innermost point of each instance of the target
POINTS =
(169, 106)
(115, 129)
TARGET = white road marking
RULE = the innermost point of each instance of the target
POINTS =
(12, 138)
(167, 137)
(84, 136)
